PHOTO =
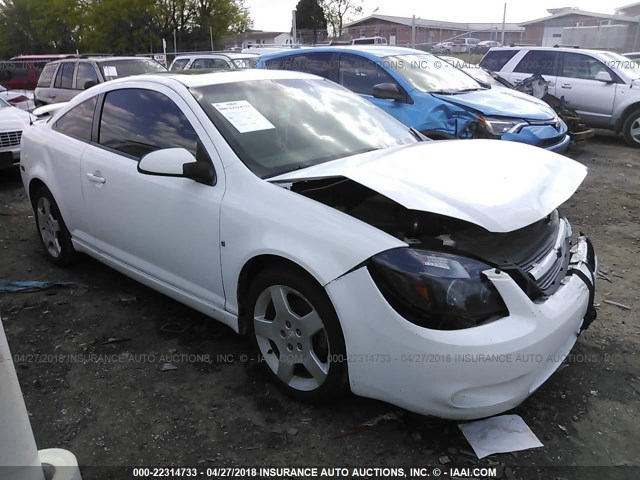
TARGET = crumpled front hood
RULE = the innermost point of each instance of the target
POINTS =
(502, 102)
(13, 119)
(500, 186)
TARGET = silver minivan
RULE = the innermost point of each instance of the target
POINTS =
(61, 80)
(603, 87)
(464, 45)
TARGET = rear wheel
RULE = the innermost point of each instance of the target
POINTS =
(53, 233)
(631, 129)
(297, 333)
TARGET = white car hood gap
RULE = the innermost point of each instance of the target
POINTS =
(499, 185)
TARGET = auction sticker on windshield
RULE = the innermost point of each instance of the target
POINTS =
(243, 116)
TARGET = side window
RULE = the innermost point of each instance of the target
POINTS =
(215, 63)
(86, 73)
(538, 61)
(47, 74)
(321, 64)
(359, 74)
(78, 121)
(64, 77)
(179, 64)
(137, 121)
(577, 65)
(497, 59)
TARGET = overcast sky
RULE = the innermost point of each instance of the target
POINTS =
(275, 15)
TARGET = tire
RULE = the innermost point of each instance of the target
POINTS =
(631, 129)
(297, 334)
(52, 230)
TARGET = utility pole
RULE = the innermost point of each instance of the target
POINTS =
(211, 36)
(504, 18)
(294, 27)
(413, 32)
(175, 47)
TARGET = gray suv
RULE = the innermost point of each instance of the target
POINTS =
(61, 80)
(604, 87)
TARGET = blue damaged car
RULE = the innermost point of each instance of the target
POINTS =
(428, 94)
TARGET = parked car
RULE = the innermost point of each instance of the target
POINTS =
(369, 41)
(464, 45)
(599, 85)
(345, 245)
(632, 55)
(442, 47)
(21, 72)
(216, 61)
(61, 80)
(12, 123)
(22, 99)
(485, 46)
(428, 94)
(534, 85)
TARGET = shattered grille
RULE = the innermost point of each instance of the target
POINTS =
(10, 139)
(547, 266)
(551, 141)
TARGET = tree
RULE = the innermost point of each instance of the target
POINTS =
(339, 11)
(310, 16)
(26, 27)
(114, 26)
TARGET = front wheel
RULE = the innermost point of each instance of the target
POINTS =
(631, 129)
(298, 335)
(53, 233)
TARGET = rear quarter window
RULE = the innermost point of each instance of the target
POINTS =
(78, 122)
(47, 74)
(538, 61)
(497, 59)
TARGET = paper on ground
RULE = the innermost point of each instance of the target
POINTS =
(243, 116)
(506, 433)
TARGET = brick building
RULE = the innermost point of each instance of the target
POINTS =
(398, 30)
(613, 32)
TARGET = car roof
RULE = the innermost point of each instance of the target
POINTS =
(230, 55)
(371, 51)
(195, 79)
(559, 49)
(101, 59)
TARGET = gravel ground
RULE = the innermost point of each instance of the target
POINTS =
(217, 407)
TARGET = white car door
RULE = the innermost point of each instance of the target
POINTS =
(164, 227)
(592, 99)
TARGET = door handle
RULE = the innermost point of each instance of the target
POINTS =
(566, 85)
(95, 178)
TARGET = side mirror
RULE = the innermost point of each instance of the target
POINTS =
(176, 162)
(89, 84)
(388, 91)
(604, 77)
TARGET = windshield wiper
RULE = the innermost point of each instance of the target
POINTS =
(419, 136)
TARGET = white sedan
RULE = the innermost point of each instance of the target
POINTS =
(437, 276)
(12, 121)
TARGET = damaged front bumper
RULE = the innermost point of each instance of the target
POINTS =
(463, 374)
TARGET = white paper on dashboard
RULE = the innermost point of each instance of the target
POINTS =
(110, 71)
(243, 116)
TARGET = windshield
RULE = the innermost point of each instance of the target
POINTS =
(248, 62)
(616, 61)
(118, 68)
(430, 74)
(276, 126)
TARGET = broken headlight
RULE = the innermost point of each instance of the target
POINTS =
(436, 290)
(498, 126)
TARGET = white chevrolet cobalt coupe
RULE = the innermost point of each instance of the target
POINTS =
(437, 276)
